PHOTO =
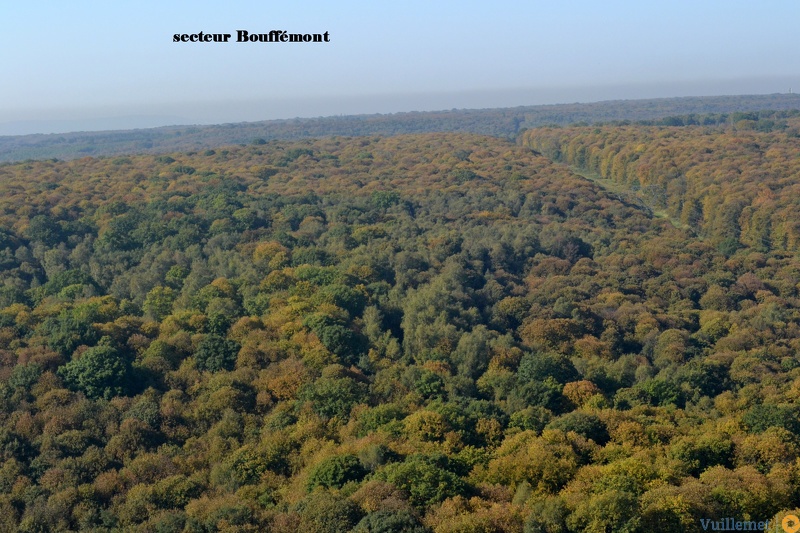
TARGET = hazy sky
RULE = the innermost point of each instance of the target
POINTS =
(100, 59)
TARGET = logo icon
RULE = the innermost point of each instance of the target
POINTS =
(790, 523)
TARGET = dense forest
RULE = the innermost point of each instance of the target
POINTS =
(499, 122)
(734, 181)
(416, 333)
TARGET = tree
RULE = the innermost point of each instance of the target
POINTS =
(323, 512)
(334, 397)
(100, 372)
(761, 417)
(216, 353)
(337, 338)
(68, 330)
(158, 303)
(538, 366)
(612, 511)
(390, 521)
(333, 472)
(426, 479)
(585, 424)
(44, 229)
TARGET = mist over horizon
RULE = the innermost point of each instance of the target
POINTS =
(143, 116)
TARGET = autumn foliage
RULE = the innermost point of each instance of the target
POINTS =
(440, 332)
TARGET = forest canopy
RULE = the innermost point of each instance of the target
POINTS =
(431, 332)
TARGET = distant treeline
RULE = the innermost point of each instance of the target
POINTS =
(504, 122)
(764, 120)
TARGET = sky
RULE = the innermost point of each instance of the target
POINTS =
(95, 64)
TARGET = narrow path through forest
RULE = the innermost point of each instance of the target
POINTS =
(626, 195)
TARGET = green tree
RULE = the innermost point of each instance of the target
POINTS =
(585, 424)
(323, 512)
(426, 478)
(158, 303)
(68, 330)
(44, 229)
(389, 521)
(335, 471)
(216, 353)
(99, 372)
(334, 396)
(538, 366)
